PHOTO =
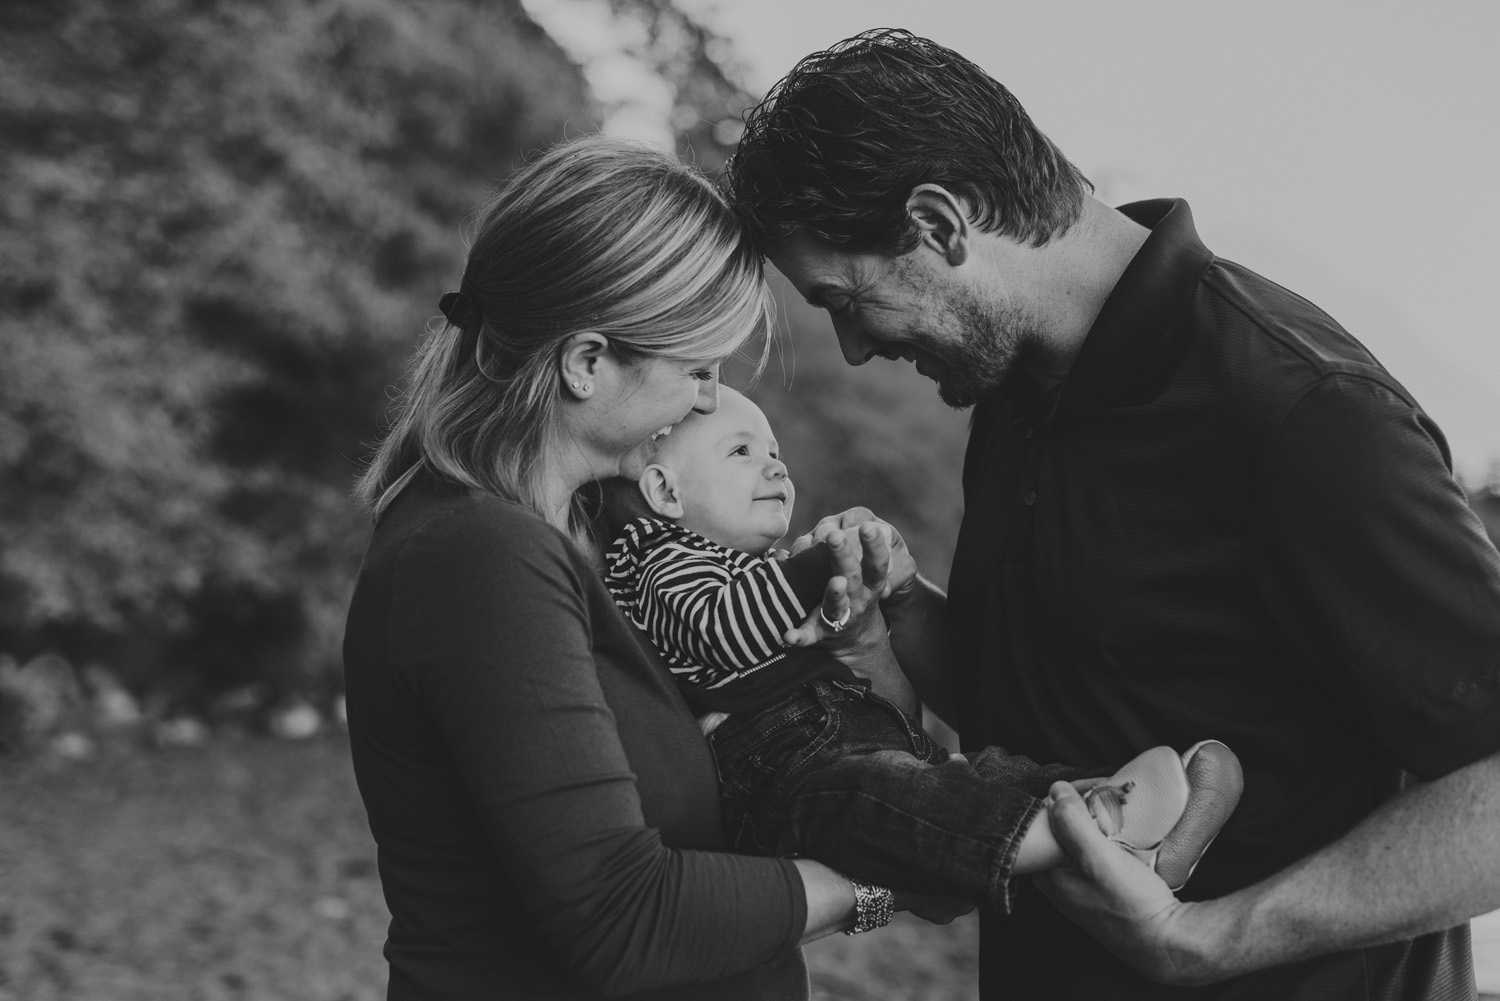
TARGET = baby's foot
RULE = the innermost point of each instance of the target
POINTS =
(1174, 808)
(1107, 805)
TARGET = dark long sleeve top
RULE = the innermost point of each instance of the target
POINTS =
(545, 809)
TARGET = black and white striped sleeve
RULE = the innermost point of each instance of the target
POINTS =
(724, 612)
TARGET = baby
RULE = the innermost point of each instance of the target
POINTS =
(811, 761)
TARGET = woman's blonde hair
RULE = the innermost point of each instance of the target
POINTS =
(598, 234)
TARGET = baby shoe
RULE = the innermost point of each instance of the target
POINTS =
(1166, 809)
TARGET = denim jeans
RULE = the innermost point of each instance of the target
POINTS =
(836, 773)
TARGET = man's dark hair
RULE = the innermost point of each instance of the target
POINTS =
(836, 147)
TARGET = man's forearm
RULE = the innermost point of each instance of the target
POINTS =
(918, 623)
(1428, 859)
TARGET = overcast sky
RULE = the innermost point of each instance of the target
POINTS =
(1346, 149)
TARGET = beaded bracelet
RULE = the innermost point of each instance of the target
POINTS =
(873, 908)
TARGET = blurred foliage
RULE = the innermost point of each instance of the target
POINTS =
(224, 226)
(699, 66)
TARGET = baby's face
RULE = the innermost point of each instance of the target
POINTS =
(730, 479)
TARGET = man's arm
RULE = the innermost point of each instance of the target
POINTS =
(918, 620)
(1366, 558)
(1427, 859)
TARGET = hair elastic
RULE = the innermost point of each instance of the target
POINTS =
(461, 309)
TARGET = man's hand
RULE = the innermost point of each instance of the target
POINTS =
(1116, 899)
(901, 575)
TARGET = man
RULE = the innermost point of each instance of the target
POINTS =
(1195, 507)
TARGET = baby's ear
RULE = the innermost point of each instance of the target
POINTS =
(659, 486)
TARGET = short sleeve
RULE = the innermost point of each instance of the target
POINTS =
(1367, 555)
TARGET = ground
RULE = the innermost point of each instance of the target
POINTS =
(243, 870)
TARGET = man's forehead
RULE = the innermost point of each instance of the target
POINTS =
(810, 264)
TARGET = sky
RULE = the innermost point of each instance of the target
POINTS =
(1347, 149)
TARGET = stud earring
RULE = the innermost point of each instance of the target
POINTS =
(576, 384)
(588, 387)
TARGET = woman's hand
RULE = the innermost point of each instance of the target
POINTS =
(901, 574)
(1120, 902)
(931, 907)
(849, 624)
(849, 617)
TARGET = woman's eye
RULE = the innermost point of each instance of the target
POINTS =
(706, 374)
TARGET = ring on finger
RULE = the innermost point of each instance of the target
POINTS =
(834, 626)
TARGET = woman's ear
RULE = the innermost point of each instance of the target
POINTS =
(658, 484)
(580, 362)
(941, 221)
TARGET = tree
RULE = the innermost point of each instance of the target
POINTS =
(225, 225)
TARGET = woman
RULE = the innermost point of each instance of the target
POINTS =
(545, 807)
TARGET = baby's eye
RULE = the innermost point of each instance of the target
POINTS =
(741, 450)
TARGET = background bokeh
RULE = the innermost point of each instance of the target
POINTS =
(224, 224)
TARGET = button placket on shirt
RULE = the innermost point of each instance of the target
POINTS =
(1030, 439)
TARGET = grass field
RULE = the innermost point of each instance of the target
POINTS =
(244, 871)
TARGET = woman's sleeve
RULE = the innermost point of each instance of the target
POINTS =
(496, 624)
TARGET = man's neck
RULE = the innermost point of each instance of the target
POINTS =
(1076, 274)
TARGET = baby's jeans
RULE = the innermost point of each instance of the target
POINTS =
(836, 773)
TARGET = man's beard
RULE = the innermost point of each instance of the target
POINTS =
(992, 340)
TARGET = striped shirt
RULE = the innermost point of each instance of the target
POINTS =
(716, 615)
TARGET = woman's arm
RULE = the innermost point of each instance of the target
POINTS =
(895, 635)
(492, 629)
(830, 902)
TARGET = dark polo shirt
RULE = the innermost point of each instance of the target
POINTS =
(1228, 521)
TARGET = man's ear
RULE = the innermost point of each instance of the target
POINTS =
(941, 221)
(583, 355)
(658, 485)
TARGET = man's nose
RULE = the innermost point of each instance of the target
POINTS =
(857, 346)
(708, 396)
